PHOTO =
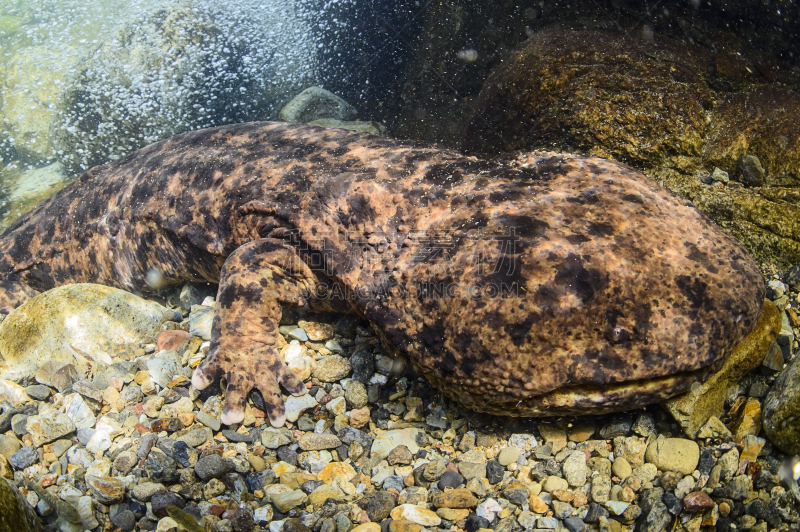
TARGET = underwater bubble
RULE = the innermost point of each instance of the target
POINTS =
(155, 278)
(468, 55)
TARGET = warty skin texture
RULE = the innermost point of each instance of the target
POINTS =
(538, 285)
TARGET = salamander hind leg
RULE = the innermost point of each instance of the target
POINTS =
(256, 280)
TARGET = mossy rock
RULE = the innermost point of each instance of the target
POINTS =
(595, 91)
(760, 121)
(15, 512)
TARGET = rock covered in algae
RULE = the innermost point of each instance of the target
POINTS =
(15, 512)
(79, 324)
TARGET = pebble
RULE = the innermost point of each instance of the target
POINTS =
(673, 454)
(288, 500)
(145, 491)
(38, 392)
(106, 490)
(47, 427)
(161, 499)
(450, 479)
(402, 459)
(211, 466)
(621, 468)
(574, 469)
(471, 470)
(416, 514)
(125, 520)
(24, 457)
(332, 368)
(508, 455)
(208, 421)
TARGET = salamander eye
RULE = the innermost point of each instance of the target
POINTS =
(617, 335)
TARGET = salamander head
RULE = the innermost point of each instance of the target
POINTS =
(600, 292)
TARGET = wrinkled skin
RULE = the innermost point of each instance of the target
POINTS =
(547, 284)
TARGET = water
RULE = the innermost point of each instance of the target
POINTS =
(86, 82)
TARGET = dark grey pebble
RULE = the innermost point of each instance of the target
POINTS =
(595, 513)
(363, 364)
(574, 524)
(380, 505)
(258, 400)
(162, 499)
(494, 471)
(618, 427)
(674, 504)
(474, 522)
(211, 466)
(450, 479)
(181, 452)
(517, 496)
(124, 520)
(234, 436)
(706, 462)
(160, 467)
(242, 521)
(308, 486)
(286, 454)
(39, 392)
(138, 508)
(259, 480)
(24, 457)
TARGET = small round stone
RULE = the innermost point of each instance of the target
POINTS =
(124, 520)
(211, 466)
(475, 522)
(356, 394)
(450, 479)
(507, 456)
(38, 392)
(159, 502)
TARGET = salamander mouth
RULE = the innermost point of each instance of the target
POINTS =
(584, 399)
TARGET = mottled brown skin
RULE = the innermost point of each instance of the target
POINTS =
(547, 284)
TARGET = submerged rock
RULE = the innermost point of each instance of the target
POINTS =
(15, 512)
(782, 410)
(705, 400)
(316, 103)
(83, 324)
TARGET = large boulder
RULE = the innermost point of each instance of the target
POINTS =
(27, 188)
(782, 410)
(30, 87)
(595, 91)
(15, 512)
(79, 324)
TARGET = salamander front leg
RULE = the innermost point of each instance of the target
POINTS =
(256, 280)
